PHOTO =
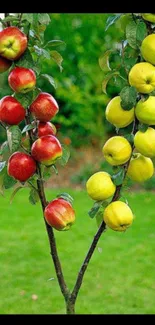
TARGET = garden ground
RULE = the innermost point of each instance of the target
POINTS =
(120, 278)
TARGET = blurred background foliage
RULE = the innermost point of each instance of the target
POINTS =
(81, 120)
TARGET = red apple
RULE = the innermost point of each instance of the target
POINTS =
(22, 80)
(4, 64)
(11, 111)
(59, 214)
(44, 107)
(46, 128)
(46, 150)
(13, 43)
(21, 166)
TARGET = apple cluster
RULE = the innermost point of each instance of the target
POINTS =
(46, 148)
(117, 150)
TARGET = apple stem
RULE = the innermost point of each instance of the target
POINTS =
(8, 22)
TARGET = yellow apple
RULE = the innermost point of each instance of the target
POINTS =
(149, 17)
(100, 186)
(140, 168)
(116, 115)
(142, 77)
(148, 48)
(145, 142)
(117, 150)
(145, 111)
(118, 216)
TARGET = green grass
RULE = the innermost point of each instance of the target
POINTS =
(120, 278)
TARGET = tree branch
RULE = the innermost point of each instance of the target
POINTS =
(51, 237)
(73, 295)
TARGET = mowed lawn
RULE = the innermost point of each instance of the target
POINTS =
(120, 278)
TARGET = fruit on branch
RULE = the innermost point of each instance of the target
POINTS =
(22, 80)
(59, 214)
(116, 115)
(46, 150)
(11, 111)
(117, 150)
(148, 48)
(44, 107)
(4, 64)
(140, 168)
(118, 216)
(149, 17)
(145, 142)
(145, 111)
(13, 43)
(46, 128)
(21, 166)
(142, 77)
(100, 186)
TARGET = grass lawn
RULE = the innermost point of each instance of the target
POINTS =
(121, 275)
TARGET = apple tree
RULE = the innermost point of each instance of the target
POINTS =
(32, 149)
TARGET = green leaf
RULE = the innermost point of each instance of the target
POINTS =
(66, 197)
(111, 20)
(129, 63)
(119, 177)
(14, 193)
(128, 97)
(135, 33)
(49, 79)
(143, 127)
(129, 137)
(28, 17)
(65, 155)
(11, 18)
(8, 181)
(131, 30)
(104, 61)
(107, 78)
(42, 52)
(4, 148)
(99, 218)
(44, 19)
(141, 32)
(93, 211)
(56, 56)
(2, 165)
(14, 136)
(2, 174)
(28, 127)
(54, 43)
(47, 172)
(25, 99)
(33, 196)
(26, 60)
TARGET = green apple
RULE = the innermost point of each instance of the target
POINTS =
(140, 168)
(142, 77)
(117, 150)
(145, 111)
(149, 17)
(148, 48)
(145, 142)
(116, 115)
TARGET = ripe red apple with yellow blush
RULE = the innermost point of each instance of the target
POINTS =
(22, 80)
(59, 214)
(11, 111)
(21, 166)
(4, 64)
(46, 150)
(44, 107)
(46, 128)
(13, 43)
